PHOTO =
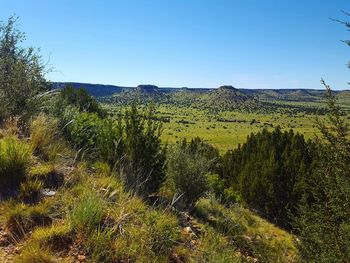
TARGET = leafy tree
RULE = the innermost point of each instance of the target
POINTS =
(22, 72)
(324, 221)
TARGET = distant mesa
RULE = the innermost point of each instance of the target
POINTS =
(97, 90)
(227, 87)
(223, 98)
(147, 88)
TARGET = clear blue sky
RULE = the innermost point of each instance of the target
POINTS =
(193, 43)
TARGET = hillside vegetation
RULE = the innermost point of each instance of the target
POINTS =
(82, 182)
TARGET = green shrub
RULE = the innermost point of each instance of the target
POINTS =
(4, 114)
(231, 196)
(198, 147)
(187, 172)
(323, 222)
(110, 143)
(144, 160)
(77, 98)
(84, 130)
(134, 148)
(100, 138)
(14, 159)
(215, 184)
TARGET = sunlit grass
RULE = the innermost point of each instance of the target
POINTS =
(14, 159)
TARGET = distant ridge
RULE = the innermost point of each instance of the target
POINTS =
(106, 89)
(218, 99)
(97, 90)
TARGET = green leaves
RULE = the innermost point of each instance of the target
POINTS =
(22, 72)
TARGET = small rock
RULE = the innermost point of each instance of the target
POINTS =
(48, 192)
(188, 230)
(81, 258)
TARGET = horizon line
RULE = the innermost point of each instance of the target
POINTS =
(185, 87)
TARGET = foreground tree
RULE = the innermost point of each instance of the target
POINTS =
(324, 222)
(22, 72)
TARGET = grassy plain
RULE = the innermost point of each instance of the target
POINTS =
(226, 129)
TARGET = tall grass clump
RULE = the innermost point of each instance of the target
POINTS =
(45, 139)
(163, 231)
(87, 214)
(21, 219)
(29, 191)
(57, 237)
(14, 159)
(216, 247)
(35, 254)
(9, 127)
(100, 245)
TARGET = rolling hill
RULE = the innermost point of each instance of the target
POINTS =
(224, 98)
